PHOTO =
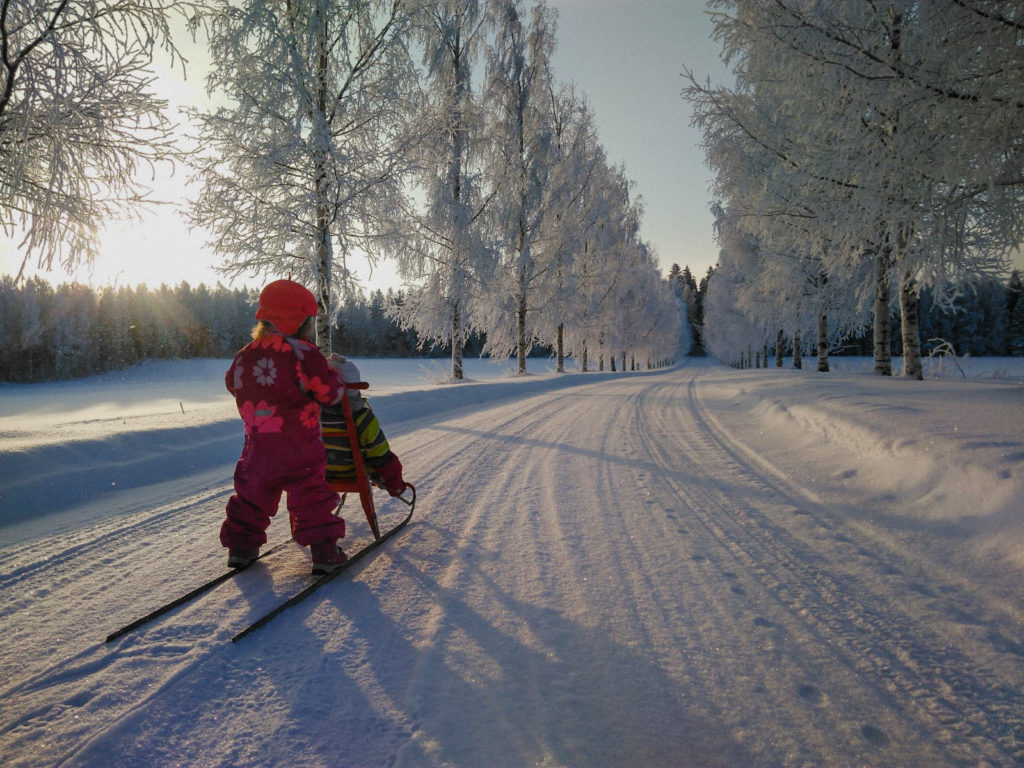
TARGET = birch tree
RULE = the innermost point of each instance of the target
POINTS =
(306, 159)
(520, 166)
(596, 272)
(79, 119)
(574, 208)
(449, 252)
(919, 130)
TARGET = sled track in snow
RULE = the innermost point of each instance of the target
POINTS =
(961, 704)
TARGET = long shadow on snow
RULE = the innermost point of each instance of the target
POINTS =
(556, 691)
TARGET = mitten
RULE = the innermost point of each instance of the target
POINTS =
(390, 473)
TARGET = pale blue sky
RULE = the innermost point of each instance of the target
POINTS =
(628, 56)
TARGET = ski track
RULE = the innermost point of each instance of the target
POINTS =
(595, 576)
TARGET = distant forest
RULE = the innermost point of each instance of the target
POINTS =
(984, 319)
(73, 330)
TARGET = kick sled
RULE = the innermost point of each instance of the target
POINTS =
(341, 435)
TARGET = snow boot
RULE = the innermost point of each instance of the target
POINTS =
(327, 557)
(242, 558)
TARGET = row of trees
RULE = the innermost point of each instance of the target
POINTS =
(868, 151)
(496, 198)
(343, 127)
(985, 319)
(72, 330)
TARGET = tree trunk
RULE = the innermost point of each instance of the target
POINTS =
(823, 343)
(561, 348)
(882, 329)
(521, 334)
(323, 231)
(779, 339)
(583, 359)
(456, 342)
(909, 330)
(798, 361)
(458, 138)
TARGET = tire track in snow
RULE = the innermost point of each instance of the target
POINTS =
(869, 654)
(553, 573)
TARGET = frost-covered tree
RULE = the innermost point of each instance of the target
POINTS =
(448, 251)
(79, 118)
(651, 317)
(305, 161)
(619, 295)
(574, 208)
(520, 166)
(728, 330)
(599, 270)
(897, 125)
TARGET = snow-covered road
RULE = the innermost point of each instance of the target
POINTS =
(655, 569)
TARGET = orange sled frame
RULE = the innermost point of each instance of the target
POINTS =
(361, 484)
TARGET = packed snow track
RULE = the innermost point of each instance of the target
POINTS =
(608, 574)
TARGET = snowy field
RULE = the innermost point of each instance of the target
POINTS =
(696, 567)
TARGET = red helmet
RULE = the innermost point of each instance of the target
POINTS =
(286, 304)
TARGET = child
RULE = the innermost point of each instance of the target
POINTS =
(279, 381)
(383, 465)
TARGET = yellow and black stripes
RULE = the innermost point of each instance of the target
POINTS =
(374, 444)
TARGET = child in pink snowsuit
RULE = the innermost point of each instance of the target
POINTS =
(279, 382)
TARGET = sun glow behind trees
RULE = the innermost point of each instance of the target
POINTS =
(151, 242)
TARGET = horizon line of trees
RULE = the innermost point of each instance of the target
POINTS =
(869, 165)
(53, 333)
(73, 330)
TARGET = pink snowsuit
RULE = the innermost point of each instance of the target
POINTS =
(278, 382)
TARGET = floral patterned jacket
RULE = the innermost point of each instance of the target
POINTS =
(279, 383)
